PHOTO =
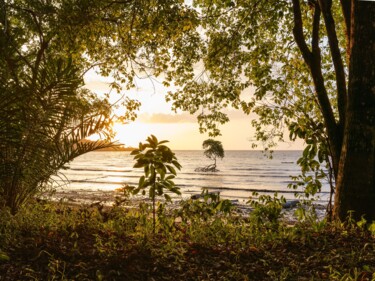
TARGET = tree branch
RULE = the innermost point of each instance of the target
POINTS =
(315, 31)
(346, 6)
(326, 7)
(313, 60)
(298, 33)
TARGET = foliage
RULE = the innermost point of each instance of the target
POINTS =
(55, 241)
(243, 53)
(210, 206)
(213, 150)
(159, 163)
(267, 209)
(45, 112)
(46, 47)
(288, 62)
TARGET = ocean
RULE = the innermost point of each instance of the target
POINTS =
(240, 173)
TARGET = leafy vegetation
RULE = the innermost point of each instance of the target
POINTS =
(46, 116)
(295, 65)
(317, 82)
(296, 56)
(46, 48)
(56, 241)
(159, 163)
(213, 149)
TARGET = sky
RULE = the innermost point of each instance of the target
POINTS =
(181, 130)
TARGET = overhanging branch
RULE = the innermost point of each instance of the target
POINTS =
(326, 7)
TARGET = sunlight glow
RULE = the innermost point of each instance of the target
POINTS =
(155, 117)
(179, 135)
(130, 134)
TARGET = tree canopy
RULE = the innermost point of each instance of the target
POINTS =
(302, 60)
(46, 47)
(213, 149)
(307, 62)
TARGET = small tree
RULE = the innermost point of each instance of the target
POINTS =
(158, 161)
(213, 150)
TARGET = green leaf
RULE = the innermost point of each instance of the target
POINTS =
(135, 191)
(176, 164)
(144, 146)
(153, 141)
(135, 152)
(147, 170)
(4, 256)
(171, 169)
(141, 181)
(161, 173)
(306, 151)
(138, 164)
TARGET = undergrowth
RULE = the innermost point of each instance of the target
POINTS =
(200, 240)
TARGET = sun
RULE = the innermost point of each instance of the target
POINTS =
(131, 134)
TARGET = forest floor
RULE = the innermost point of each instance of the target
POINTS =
(63, 242)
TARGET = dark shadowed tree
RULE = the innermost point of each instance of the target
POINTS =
(46, 47)
(45, 112)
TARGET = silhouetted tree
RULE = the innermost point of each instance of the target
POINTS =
(213, 150)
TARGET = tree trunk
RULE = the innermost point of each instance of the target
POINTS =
(355, 189)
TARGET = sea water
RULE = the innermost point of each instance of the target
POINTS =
(240, 173)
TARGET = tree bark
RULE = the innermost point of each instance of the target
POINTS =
(355, 190)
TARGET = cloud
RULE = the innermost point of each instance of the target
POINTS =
(166, 118)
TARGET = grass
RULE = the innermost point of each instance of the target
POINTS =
(61, 242)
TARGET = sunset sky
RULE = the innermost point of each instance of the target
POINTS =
(156, 117)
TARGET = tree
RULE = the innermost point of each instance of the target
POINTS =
(159, 163)
(356, 170)
(213, 150)
(46, 47)
(45, 112)
(310, 64)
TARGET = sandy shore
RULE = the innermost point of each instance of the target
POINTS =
(108, 198)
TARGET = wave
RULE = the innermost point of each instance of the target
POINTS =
(96, 182)
(187, 181)
(266, 190)
(240, 174)
(215, 188)
(277, 170)
(99, 170)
